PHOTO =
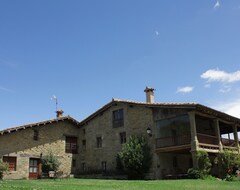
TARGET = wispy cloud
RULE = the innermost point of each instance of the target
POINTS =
(184, 90)
(215, 75)
(5, 89)
(156, 33)
(216, 5)
(231, 107)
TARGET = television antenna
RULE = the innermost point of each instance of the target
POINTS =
(54, 98)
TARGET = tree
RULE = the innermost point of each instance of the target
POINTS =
(50, 163)
(136, 157)
(3, 168)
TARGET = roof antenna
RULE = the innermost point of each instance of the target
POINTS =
(54, 98)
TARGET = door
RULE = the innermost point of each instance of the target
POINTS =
(34, 168)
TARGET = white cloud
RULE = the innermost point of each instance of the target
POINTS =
(217, 5)
(5, 89)
(215, 75)
(186, 89)
(157, 33)
(231, 108)
(207, 85)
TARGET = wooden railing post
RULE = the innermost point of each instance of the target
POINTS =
(218, 134)
(194, 139)
(235, 132)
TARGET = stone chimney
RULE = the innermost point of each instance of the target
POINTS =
(149, 95)
(59, 113)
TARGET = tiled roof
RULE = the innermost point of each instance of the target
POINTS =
(14, 129)
(189, 105)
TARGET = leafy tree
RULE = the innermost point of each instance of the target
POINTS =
(136, 157)
(228, 162)
(50, 163)
(3, 168)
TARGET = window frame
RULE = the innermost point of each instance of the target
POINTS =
(84, 144)
(123, 137)
(118, 118)
(104, 166)
(99, 142)
(35, 135)
(71, 145)
(11, 160)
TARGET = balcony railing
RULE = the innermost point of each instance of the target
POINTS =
(207, 139)
(186, 139)
(173, 141)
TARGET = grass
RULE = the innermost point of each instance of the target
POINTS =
(94, 184)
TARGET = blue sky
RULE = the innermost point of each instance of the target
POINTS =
(87, 51)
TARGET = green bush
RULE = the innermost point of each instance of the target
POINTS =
(136, 158)
(3, 168)
(204, 163)
(204, 166)
(228, 162)
(193, 173)
(50, 163)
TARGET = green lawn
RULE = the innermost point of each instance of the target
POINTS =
(92, 184)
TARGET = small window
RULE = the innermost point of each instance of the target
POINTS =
(83, 166)
(12, 162)
(74, 163)
(122, 137)
(84, 131)
(84, 144)
(104, 166)
(71, 145)
(118, 118)
(99, 142)
(35, 135)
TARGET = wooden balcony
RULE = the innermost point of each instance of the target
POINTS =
(183, 142)
(173, 143)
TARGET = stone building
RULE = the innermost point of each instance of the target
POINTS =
(174, 131)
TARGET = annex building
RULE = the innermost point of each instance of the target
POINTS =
(175, 131)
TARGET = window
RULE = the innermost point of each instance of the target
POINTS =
(74, 163)
(83, 166)
(122, 137)
(84, 131)
(33, 165)
(104, 166)
(118, 118)
(12, 162)
(99, 142)
(35, 135)
(84, 144)
(71, 145)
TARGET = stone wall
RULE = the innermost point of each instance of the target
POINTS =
(136, 120)
(20, 144)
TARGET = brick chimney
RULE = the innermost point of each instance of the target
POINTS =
(59, 113)
(149, 95)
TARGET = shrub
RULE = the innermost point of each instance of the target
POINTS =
(204, 166)
(228, 162)
(50, 163)
(136, 158)
(204, 163)
(193, 173)
(3, 168)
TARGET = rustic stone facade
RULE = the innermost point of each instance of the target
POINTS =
(99, 138)
(20, 144)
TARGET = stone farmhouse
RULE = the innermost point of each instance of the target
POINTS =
(175, 131)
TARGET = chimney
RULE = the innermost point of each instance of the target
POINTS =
(59, 113)
(149, 95)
